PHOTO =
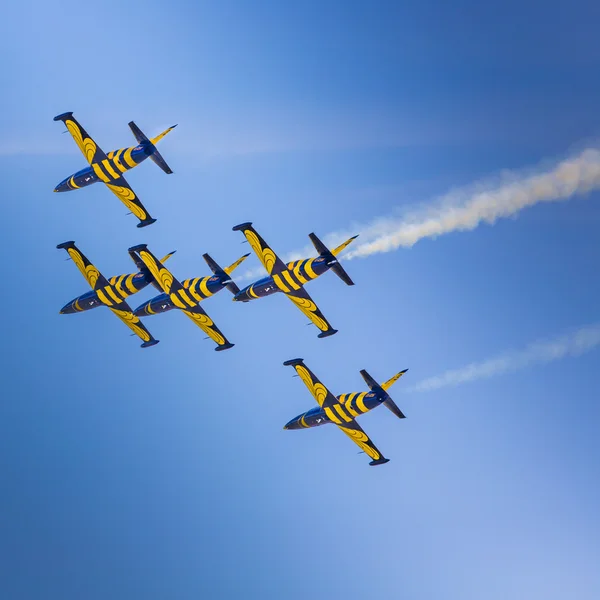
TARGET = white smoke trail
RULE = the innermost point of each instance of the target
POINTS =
(574, 343)
(466, 208)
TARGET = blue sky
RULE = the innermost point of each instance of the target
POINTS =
(166, 472)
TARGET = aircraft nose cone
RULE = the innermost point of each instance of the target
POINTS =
(67, 309)
(293, 424)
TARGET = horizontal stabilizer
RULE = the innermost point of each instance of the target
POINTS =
(380, 389)
(159, 161)
(330, 257)
(224, 273)
(391, 405)
(155, 157)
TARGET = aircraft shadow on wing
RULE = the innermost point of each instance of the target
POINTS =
(109, 168)
(343, 409)
(290, 278)
(187, 295)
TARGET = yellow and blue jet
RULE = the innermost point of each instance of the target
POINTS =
(290, 278)
(109, 168)
(110, 295)
(186, 295)
(344, 409)
(126, 285)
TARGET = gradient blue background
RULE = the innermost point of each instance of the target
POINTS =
(165, 473)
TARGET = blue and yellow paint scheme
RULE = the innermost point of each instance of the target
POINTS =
(126, 285)
(343, 409)
(290, 278)
(187, 295)
(109, 168)
(199, 288)
(108, 294)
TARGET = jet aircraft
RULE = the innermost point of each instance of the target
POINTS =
(109, 168)
(290, 278)
(126, 285)
(110, 295)
(186, 296)
(344, 409)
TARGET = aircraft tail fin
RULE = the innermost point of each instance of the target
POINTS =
(388, 402)
(226, 272)
(330, 257)
(156, 157)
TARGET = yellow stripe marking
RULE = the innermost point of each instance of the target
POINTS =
(77, 306)
(360, 404)
(110, 170)
(177, 302)
(72, 182)
(203, 287)
(117, 161)
(100, 173)
(185, 296)
(332, 416)
(129, 284)
(119, 288)
(348, 407)
(110, 154)
(309, 271)
(303, 422)
(251, 291)
(299, 275)
(340, 411)
(280, 284)
(103, 298)
(193, 291)
(288, 278)
(112, 294)
(128, 159)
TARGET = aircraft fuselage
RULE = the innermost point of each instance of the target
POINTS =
(128, 283)
(295, 276)
(108, 170)
(197, 289)
(352, 405)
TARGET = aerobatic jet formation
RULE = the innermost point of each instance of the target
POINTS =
(186, 295)
(110, 295)
(126, 285)
(109, 168)
(344, 409)
(290, 278)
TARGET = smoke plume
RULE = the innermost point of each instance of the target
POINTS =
(574, 343)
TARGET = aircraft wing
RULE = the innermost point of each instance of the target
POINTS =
(271, 262)
(307, 305)
(122, 190)
(198, 315)
(109, 295)
(356, 433)
(180, 297)
(320, 393)
(124, 312)
(92, 152)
